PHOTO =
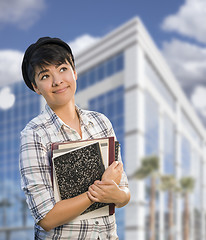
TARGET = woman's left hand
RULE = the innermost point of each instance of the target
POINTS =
(106, 191)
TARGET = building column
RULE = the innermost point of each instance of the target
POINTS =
(134, 140)
(178, 209)
(161, 158)
(203, 215)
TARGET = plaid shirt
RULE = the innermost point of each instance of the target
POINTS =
(35, 154)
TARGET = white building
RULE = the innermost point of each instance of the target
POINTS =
(126, 66)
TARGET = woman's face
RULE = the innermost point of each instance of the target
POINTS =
(57, 84)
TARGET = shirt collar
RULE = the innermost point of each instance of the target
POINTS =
(85, 120)
(58, 123)
(51, 116)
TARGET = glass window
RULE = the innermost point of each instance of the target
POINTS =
(151, 147)
(82, 82)
(110, 67)
(197, 173)
(100, 72)
(119, 62)
(92, 76)
(185, 157)
(190, 128)
(20, 235)
(158, 82)
(169, 146)
(151, 125)
(13, 120)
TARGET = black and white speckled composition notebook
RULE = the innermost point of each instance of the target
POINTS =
(78, 169)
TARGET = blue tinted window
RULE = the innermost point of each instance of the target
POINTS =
(100, 72)
(185, 156)
(13, 120)
(110, 67)
(158, 82)
(151, 144)
(82, 82)
(110, 96)
(119, 62)
(92, 76)
(169, 146)
(151, 125)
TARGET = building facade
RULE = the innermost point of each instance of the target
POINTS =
(125, 77)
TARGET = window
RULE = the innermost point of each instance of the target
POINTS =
(151, 125)
(100, 72)
(151, 147)
(169, 146)
(158, 82)
(12, 121)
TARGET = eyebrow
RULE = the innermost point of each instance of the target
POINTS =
(47, 70)
(43, 71)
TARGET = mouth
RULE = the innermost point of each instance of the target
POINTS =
(60, 90)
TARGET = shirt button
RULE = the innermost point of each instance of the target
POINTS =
(96, 222)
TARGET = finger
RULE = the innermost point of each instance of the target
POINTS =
(95, 188)
(113, 165)
(119, 166)
(96, 182)
(92, 198)
(105, 182)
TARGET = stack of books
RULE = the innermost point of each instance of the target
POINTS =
(76, 165)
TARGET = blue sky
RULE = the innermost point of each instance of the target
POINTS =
(71, 19)
(177, 27)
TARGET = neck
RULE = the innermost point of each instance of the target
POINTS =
(67, 113)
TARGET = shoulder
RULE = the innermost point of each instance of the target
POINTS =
(35, 124)
(101, 125)
(94, 116)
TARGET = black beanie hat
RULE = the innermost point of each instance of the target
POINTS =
(32, 48)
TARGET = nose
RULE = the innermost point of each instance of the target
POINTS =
(56, 80)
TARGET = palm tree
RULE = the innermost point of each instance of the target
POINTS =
(150, 168)
(187, 186)
(169, 184)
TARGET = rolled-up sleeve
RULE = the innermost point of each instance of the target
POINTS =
(35, 173)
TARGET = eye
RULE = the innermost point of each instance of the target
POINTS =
(44, 77)
(63, 69)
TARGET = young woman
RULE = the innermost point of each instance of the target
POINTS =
(48, 68)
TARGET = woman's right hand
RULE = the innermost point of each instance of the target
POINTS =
(113, 172)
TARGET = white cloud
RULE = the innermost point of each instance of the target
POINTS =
(10, 66)
(83, 42)
(7, 98)
(189, 20)
(10, 60)
(188, 63)
(22, 13)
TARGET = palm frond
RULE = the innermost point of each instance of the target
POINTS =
(168, 183)
(149, 166)
(187, 184)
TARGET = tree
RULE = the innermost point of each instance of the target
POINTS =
(150, 168)
(169, 184)
(187, 185)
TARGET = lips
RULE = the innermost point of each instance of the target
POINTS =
(60, 90)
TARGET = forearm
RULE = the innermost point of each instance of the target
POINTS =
(109, 192)
(65, 211)
(122, 198)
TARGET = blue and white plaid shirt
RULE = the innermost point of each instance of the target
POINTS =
(35, 154)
